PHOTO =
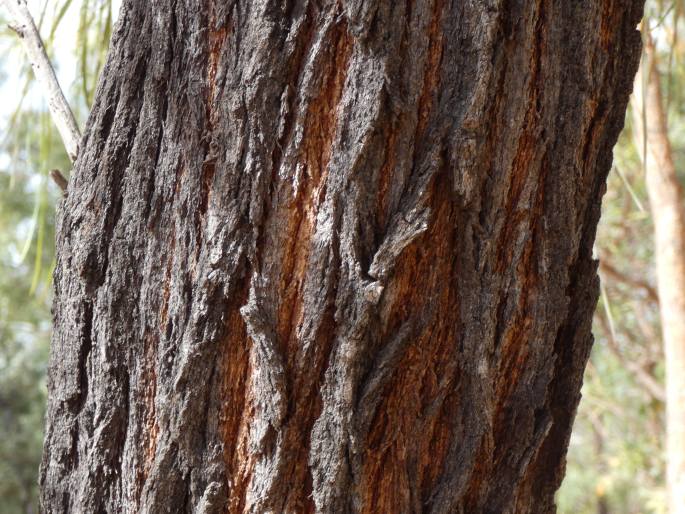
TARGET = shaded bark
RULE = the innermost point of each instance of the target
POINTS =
(333, 256)
(668, 212)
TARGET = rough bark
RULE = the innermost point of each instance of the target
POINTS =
(667, 205)
(333, 256)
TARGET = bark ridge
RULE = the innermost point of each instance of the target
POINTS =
(333, 256)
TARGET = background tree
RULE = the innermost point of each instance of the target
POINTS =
(258, 193)
(668, 211)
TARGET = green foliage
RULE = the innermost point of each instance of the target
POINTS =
(22, 399)
(95, 31)
(29, 148)
(26, 259)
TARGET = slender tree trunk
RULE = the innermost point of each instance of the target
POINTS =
(333, 256)
(668, 213)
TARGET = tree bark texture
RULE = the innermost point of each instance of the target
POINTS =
(333, 256)
(667, 205)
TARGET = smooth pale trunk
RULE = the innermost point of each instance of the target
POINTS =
(668, 213)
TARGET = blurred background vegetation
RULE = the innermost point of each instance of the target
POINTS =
(76, 35)
(616, 460)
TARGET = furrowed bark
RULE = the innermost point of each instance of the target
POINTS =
(333, 256)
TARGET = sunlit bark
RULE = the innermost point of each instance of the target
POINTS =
(333, 256)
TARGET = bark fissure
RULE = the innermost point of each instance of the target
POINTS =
(337, 256)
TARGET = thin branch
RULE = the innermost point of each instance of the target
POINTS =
(611, 272)
(25, 27)
(607, 309)
(648, 331)
(59, 179)
(651, 384)
(630, 189)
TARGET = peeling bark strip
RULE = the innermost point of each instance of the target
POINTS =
(333, 256)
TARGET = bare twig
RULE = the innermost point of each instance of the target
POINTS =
(650, 334)
(58, 178)
(610, 271)
(644, 377)
(25, 27)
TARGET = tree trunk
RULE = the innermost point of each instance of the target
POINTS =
(333, 256)
(668, 213)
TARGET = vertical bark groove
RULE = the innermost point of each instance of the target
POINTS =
(333, 256)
